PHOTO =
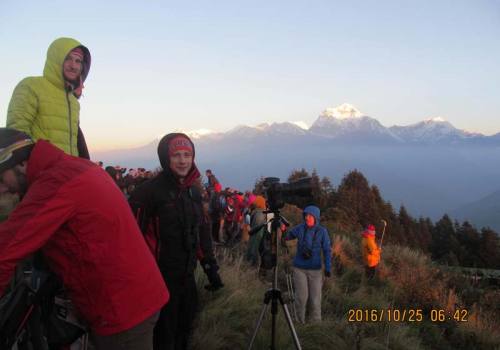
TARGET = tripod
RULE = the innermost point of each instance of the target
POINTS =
(273, 295)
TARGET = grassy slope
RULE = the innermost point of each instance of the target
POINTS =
(407, 280)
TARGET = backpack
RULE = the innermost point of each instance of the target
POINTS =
(37, 319)
(15, 309)
(216, 204)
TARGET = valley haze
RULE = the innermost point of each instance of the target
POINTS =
(430, 167)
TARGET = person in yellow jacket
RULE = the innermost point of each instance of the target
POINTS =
(46, 107)
(370, 251)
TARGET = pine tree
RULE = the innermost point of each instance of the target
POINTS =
(259, 186)
(469, 239)
(355, 198)
(424, 234)
(489, 248)
(298, 174)
(408, 227)
(444, 242)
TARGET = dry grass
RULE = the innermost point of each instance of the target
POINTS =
(406, 279)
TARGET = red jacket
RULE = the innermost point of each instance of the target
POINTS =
(74, 211)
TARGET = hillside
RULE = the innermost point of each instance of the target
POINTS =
(408, 281)
(431, 306)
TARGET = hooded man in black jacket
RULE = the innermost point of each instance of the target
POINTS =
(169, 211)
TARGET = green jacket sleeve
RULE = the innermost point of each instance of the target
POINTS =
(23, 108)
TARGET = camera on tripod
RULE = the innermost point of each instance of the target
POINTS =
(294, 192)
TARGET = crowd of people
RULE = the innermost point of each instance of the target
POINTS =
(124, 243)
(128, 179)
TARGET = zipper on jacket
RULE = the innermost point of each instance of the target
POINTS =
(70, 128)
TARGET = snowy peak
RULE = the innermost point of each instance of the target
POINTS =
(347, 122)
(196, 134)
(432, 130)
(435, 119)
(301, 124)
(344, 111)
(286, 128)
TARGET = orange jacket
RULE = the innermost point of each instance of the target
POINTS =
(370, 250)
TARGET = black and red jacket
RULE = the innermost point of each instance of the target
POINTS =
(172, 220)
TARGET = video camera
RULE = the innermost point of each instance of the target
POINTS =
(296, 192)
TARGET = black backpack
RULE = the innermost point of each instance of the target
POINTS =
(36, 319)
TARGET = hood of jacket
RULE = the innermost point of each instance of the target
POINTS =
(163, 155)
(259, 202)
(43, 156)
(56, 54)
(314, 211)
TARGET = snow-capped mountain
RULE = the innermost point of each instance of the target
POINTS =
(301, 124)
(344, 111)
(413, 165)
(196, 134)
(347, 122)
(432, 130)
(266, 129)
(287, 128)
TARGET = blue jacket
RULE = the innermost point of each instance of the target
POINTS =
(315, 238)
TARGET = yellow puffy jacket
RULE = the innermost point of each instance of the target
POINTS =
(42, 107)
(370, 250)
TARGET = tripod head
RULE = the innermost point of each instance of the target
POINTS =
(277, 220)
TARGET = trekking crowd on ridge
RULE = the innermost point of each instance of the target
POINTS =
(106, 236)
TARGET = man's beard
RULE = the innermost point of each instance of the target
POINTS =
(22, 182)
(74, 83)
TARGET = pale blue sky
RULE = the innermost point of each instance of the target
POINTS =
(161, 65)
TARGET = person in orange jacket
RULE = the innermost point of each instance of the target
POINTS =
(370, 251)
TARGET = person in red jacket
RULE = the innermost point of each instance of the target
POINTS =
(73, 212)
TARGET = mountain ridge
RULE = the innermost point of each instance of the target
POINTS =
(347, 122)
(431, 177)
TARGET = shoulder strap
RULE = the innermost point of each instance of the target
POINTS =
(315, 234)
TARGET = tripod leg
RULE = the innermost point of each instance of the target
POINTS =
(291, 293)
(290, 325)
(259, 323)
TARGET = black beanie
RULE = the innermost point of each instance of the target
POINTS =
(111, 171)
(163, 151)
(15, 147)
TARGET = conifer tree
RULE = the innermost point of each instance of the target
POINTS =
(259, 186)
(490, 249)
(444, 242)
(297, 174)
(469, 239)
(408, 227)
(355, 198)
(424, 234)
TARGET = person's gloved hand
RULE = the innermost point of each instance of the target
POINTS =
(328, 274)
(210, 268)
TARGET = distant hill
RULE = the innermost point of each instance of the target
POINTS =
(483, 212)
(430, 167)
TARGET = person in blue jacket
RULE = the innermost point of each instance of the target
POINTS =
(312, 239)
